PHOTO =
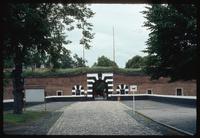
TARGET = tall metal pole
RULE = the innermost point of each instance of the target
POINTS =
(113, 45)
(83, 53)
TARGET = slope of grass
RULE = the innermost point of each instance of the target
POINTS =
(76, 71)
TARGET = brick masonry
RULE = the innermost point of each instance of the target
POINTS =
(161, 86)
(52, 84)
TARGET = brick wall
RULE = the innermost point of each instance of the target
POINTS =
(160, 86)
(51, 85)
(144, 83)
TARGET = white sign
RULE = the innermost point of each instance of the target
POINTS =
(133, 88)
(34, 95)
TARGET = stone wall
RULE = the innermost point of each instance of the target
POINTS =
(52, 84)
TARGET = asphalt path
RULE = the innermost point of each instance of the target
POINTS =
(183, 118)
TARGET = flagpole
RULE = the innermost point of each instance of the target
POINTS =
(113, 45)
(83, 53)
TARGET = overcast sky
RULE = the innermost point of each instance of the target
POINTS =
(130, 35)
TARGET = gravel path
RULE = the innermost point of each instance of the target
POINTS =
(98, 118)
(180, 117)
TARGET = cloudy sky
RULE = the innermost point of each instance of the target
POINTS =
(130, 35)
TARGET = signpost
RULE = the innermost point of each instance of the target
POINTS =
(133, 88)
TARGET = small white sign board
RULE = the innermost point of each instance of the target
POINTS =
(34, 95)
(133, 88)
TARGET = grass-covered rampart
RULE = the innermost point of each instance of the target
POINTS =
(75, 71)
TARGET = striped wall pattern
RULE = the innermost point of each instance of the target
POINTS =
(77, 90)
(93, 77)
(122, 89)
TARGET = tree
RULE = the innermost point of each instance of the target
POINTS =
(172, 44)
(105, 62)
(66, 59)
(8, 62)
(135, 62)
(34, 59)
(79, 62)
(60, 59)
(39, 28)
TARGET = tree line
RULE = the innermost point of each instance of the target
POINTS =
(66, 60)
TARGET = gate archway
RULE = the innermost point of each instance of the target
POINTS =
(95, 77)
(100, 89)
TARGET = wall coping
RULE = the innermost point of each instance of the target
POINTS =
(174, 96)
(8, 100)
(65, 96)
(156, 95)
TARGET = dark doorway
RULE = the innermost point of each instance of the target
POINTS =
(59, 93)
(179, 92)
(100, 89)
(149, 92)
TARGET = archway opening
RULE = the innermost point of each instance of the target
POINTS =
(100, 89)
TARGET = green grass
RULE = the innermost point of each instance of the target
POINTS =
(26, 116)
(76, 71)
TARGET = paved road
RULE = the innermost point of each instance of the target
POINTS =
(183, 118)
(98, 118)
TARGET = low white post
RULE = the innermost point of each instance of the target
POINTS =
(133, 88)
(133, 104)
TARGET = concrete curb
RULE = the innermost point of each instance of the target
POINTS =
(56, 123)
(168, 126)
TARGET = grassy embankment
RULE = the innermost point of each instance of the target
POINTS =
(75, 71)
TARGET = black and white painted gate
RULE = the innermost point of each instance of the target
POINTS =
(77, 90)
(93, 77)
(122, 89)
